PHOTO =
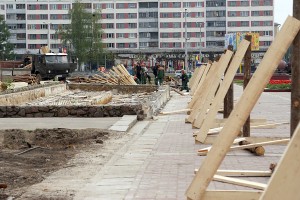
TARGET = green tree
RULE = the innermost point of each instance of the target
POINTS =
(6, 48)
(84, 34)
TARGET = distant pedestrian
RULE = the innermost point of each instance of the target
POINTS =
(184, 81)
(155, 70)
(160, 75)
(139, 71)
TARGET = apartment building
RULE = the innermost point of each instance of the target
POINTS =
(143, 25)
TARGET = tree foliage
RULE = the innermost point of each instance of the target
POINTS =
(84, 34)
(6, 48)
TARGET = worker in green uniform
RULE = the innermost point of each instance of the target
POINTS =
(160, 75)
(184, 81)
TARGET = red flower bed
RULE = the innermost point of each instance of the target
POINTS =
(275, 82)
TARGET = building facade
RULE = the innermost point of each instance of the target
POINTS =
(143, 25)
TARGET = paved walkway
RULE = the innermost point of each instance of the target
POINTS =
(158, 161)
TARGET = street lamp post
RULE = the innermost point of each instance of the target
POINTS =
(185, 43)
(200, 46)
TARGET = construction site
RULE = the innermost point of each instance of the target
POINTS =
(106, 137)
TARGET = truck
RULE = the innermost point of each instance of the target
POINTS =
(48, 66)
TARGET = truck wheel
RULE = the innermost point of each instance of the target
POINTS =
(38, 78)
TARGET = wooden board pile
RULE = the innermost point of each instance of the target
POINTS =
(28, 78)
(116, 76)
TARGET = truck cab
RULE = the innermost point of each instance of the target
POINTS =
(51, 65)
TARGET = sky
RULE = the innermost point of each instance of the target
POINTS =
(282, 8)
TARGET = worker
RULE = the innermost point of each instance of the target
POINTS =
(184, 81)
(160, 75)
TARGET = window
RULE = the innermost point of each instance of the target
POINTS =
(244, 3)
(110, 45)
(9, 6)
(267, 33)
(255, 23)
(255, 3)
(109, 25)
(65, 16)
(32, 36)
(255, 13)
(176, 15)
(131, 5)
(65, 6)
(120, 5)
(131, 35)
(164, 35)
(53, 7)
(164, 15)
(120, 25)
(267, 23)
(232, 14)
(44, 26)
(267, 13)
(44, 36)
(244, 23)
(44, 16)
(20, 6)
(232, 24)
(109, 6)
(176, 5)
(109, 35)
(244, 13)
(121, 45)
(176, 44)
(110, 16)
(43, 7)
(120, 16)
(176, 25)
(120, 35)
(132, 25)
(199, 4)
(143, 44)
(164, 5)
(164, 25)
(165, 45)
(132, 45)
(177, 35)
(32, 46)
(187, 4)
(132, 15)
(52, 16)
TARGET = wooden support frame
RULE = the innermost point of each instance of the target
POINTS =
(197, 79)
(204, 151)
(209, 70)
(284, 183)
(240, 182)
(217, 101)
(242, 173)
(231, 195)
(210, 86)
(240, 113)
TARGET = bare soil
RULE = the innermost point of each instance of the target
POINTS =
(28, 157)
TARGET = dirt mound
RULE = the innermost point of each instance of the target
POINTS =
(27, 157)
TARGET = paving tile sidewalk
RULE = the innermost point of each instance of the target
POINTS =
(159, 162)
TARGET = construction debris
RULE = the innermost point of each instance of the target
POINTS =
(28, 78)
(116, 76)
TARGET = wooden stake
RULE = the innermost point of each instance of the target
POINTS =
(243, 108)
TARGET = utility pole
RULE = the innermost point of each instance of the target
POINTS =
(200, 46)
(295, 92)
(185, 43)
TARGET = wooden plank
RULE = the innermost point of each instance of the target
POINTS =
(198, 79)
(207, 72)
(175, 111)
(204, 151)
(243, 173)
(193, 78)
(243, 108)
(231, 195)
(285, 181)
(240, 182)
(210, 86)
(217, 101)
